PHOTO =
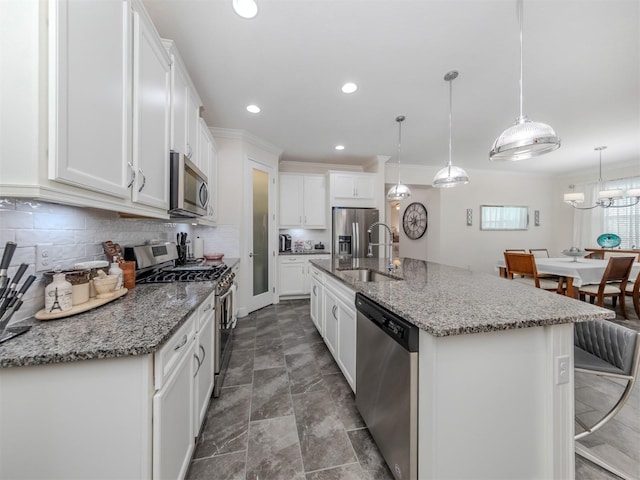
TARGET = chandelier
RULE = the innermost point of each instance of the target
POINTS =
(606, 198)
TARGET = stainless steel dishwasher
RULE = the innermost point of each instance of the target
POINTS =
(387, 384)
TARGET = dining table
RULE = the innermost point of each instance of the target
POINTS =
(576, 271)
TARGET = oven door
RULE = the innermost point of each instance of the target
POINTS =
(225, 322)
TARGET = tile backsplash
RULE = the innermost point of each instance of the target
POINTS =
(76, 234)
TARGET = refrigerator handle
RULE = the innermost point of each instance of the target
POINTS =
(357, 235)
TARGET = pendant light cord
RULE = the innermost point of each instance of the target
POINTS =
(450, 119)
(520, 14)
(399, 119)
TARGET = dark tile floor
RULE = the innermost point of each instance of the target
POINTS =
(286, 412)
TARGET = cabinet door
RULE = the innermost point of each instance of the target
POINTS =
(204, 365)
(317, 299)
(213, 180)
(364, 186)
(347, 345)
(151, 111)
(343, 186)
(90, 95)
(292, 276)
(330, 312)
(179, 92)
(173, 437)
(193, 126)
(291, 208)
(315, 201)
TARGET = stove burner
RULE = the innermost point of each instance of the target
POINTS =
(181, 274)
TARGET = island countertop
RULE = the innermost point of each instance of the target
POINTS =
(138, 323)
(445, 300)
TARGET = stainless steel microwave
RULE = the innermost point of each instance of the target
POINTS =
(189, 189)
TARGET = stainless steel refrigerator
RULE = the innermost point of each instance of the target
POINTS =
(349, 227)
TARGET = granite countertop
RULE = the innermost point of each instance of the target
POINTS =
(445, 300)
(307, 252)
(138, 323)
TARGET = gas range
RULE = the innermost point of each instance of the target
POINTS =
(156, 263)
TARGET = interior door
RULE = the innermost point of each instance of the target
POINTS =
(261, 229)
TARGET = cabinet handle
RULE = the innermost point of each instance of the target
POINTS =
(182, 343)
(207, 308)
(199, 363)
(133, 175)
(204, 353)
(300, 219)
(189, 151)
(314, 291)
(305, 219)
(333, 311)
(144, 180)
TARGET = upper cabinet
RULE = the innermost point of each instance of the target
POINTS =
(151, 114)
(352, 189)
(303, 201)
(90, 95)
(185, 108)
(208, 156)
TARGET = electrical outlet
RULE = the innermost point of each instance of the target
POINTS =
(44, 260)
(563, 363)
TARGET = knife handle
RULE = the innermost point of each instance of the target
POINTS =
(18, 276)
(27, 283)
(9, 249)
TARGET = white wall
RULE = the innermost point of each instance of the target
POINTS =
(468, 246)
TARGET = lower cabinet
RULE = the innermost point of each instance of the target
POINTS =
(134, 416)
(334, 314)
(294, 277)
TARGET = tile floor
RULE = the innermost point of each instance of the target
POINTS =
(286, 412)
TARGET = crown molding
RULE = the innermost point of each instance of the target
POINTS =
(243, 135)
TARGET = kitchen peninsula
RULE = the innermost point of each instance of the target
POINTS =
(114, 392)
(490, 400)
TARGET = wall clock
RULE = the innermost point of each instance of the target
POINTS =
(414, 220)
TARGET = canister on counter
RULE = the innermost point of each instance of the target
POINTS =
(129, 274)
(93, 267)
(79, 280)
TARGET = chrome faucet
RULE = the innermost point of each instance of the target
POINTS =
(391, 266)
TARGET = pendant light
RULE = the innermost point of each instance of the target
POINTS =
(399, 191)
(524, 139)
(450, 176)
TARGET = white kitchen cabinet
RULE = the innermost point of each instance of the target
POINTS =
(294, 274)
(83, 78)
(303, 201)
(204, 354)
(317, 298)
(151, 113)
(340, 326)
(352, 189)
(208, 158)
(185, 107)
(331, 318)
(90, 95)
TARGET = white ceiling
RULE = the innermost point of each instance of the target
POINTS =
(581, 76)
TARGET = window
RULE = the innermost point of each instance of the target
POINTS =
(503, 217)
(624, 222)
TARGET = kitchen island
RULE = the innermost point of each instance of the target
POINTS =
(495, 367)
(115, 392)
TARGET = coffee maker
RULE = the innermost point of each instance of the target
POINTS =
(285, 242)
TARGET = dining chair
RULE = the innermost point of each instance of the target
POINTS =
(524, 265)
(633, 290)
(539, 252)
(605, 349)
(613, 284)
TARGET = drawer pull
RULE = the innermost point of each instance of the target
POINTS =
(182, 343)
(333, 311)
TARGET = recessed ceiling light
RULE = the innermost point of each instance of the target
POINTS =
(349, 87)
(245, 8)
(253, 108)
(339, 147)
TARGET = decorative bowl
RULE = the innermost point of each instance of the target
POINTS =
(105, 286)
(213, 256)
(575, 253)
(609, 240)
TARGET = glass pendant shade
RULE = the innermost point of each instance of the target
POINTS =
(574, 197)
(450, 176)
(524, 139)
(609, 194)
(398, 192)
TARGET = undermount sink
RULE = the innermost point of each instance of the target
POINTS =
(367, 275)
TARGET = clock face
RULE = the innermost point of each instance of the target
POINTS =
(414, 220)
